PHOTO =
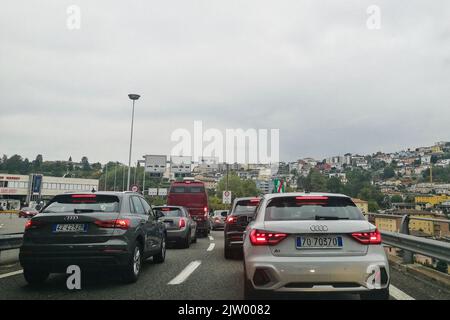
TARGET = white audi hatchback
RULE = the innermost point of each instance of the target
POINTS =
(311, 242)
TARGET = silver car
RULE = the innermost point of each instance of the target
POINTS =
(181, 228)
(313, 242)
(217, 219)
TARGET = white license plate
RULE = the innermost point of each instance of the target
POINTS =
(69, 227)
(319, 242)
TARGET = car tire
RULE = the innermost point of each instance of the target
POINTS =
(133, 268)
(228, 253)
(376, 294)
(187, 242)
(34, 276)
(161, 256)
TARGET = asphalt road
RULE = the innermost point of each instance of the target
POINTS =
(11, 223)
(211, 277)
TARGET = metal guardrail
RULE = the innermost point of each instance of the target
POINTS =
(10, 241)
(411, 244)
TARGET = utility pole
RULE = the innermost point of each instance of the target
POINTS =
(431, 172)
(226, 188)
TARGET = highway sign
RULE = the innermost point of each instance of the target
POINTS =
(155, 164)
(134, 188)
(152, 191)
(226, 197)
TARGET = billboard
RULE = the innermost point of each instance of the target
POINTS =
(180, 164)
(36, 184)
(155, 163)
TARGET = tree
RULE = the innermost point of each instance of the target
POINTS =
(388, 173)
(85, 164)
(334, 185)
(237, 186)
(396, 199)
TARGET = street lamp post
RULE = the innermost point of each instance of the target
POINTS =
(133, 97)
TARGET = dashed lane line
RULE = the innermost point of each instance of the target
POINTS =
(6, 275)
(211, 247)
(398, 294)
(211, 238)
(190, 268)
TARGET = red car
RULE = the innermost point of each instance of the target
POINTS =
(192, 195)
(27, 212)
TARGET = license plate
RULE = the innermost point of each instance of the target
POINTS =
(69, 227)
(319, 242)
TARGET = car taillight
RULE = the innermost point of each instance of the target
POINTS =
(117, 223)
(368, 237)
(232, 219)
(31, 224)
(263, 238)
(181, 223)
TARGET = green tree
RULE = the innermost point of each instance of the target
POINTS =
(237, 186)
(396, 199)
(334, 185)
(388, 173)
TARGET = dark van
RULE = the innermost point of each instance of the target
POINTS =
(191, 194)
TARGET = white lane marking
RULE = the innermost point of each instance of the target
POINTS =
(5, 275)
(186, 272)
(211, 247)
(211, 238)
(398, 294)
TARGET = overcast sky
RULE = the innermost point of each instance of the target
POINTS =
(313, 69)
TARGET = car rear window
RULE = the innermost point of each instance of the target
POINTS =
(246, 206)
(190, 189)
(312, 208)
(81, 203)
(170, 212)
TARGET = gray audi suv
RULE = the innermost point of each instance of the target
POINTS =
(116, 230)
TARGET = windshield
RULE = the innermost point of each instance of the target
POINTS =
(312, 208)
(83, 203)
(170, 212)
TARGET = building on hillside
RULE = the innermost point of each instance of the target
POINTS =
(361, 204)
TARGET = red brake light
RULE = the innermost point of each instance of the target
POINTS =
(311, 198)
(263, 238)
(368, 237)
(32, 224)
(118, 223)
(28, 224)
(84, 196)
(232, 219)
(165, 209)
(181, 223)
(254, 200)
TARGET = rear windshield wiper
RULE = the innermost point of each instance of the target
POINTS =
(330, 218)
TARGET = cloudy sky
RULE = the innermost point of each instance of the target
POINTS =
(313, 69)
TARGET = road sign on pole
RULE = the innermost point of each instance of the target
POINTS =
(226, 197)
(134, 188)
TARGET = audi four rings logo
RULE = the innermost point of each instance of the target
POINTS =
(318, 227)
(70, 218)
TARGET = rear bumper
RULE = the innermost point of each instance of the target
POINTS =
(218, 224)
(56, 258)
(176, 235)
(234, 239)
(317, 274)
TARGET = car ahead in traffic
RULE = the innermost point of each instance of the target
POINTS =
(192, 195)
(242, 211)
(101, 230)
(217, 219)
(313, 242)
(27, 212)
(181, 228)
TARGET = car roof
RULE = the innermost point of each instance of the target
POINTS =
(108, 193)
(299, 194)
(246, 198)
(166, 206)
